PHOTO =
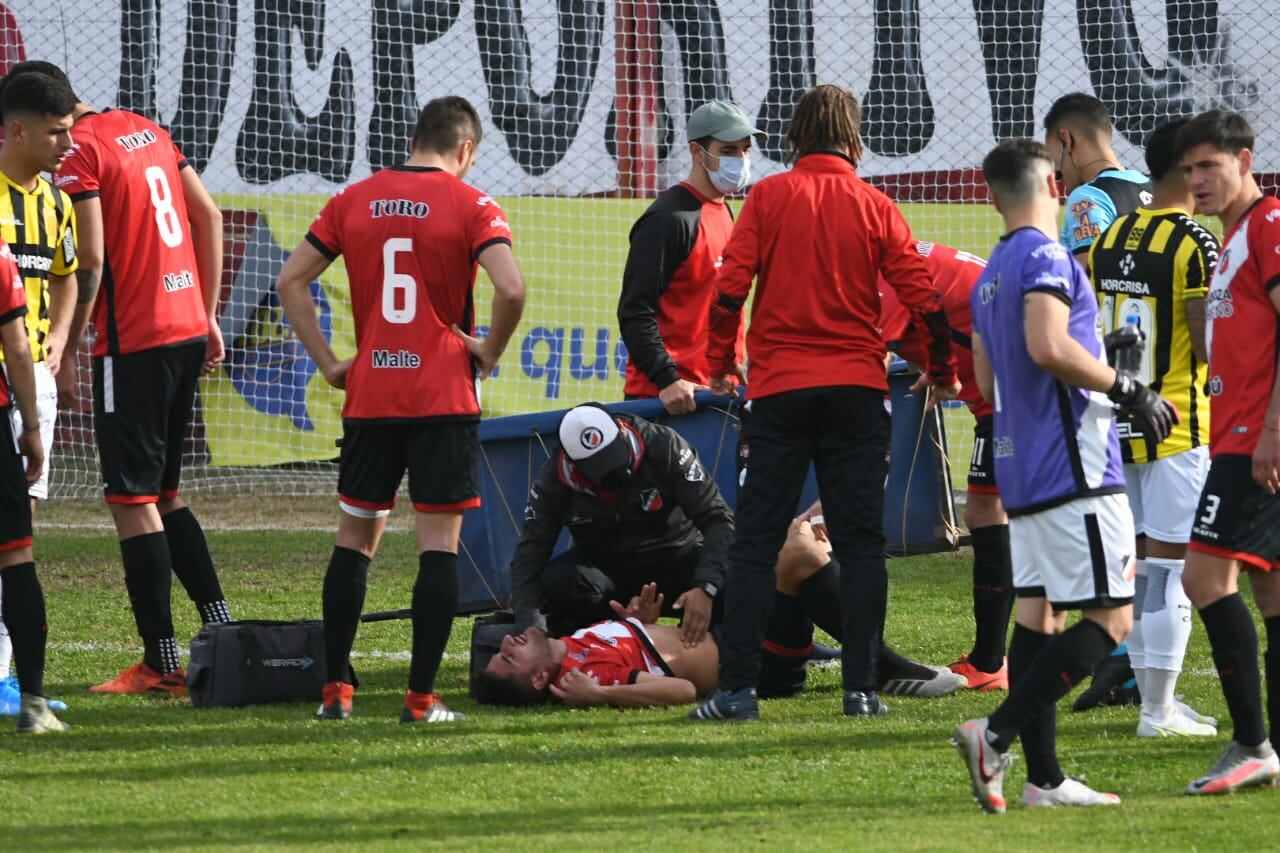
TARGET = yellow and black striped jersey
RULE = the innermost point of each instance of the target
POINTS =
(40, 227)
(1147, 265)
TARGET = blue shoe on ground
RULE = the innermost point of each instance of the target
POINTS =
(11, 698)
(724, 706)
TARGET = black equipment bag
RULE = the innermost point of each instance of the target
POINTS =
(486, 639)
(256, 663)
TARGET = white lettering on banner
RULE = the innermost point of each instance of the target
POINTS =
(545, 133)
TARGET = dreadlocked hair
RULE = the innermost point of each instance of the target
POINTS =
(826, 119)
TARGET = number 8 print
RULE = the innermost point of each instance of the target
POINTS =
(167, 221)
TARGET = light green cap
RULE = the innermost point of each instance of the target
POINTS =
(723, 120)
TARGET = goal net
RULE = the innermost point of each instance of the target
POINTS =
(279, 102)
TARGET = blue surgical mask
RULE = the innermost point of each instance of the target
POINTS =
(732, 176)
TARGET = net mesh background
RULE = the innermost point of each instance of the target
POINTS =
(280, 102)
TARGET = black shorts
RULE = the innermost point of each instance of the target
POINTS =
(142, 405)
(440, 455)
(15, 505)
(982, 463)
(1236, 518)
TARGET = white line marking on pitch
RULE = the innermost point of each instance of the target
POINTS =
(374, 654)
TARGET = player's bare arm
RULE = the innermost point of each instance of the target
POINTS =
(89, 273)
(508, 304)
(1196, 325)
(579, 690)
(982, 372)
(206, 235)
(1266, 456)
(294, 286)
(22, 379)
(62, 307)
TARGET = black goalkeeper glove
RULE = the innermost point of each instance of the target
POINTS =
(1154, 415)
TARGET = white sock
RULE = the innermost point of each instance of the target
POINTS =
(1166, 629)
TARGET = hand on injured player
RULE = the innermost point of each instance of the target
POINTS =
(647, 606)
(1155, 416)
(578, 690)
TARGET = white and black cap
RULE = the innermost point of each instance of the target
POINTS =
(591, 438)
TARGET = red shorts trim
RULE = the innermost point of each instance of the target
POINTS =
(787, 651)
(373, 505)
(1253, 560)
(168, 494)
(132, 500)
(15, 545)
(984, 490)
(457, 506)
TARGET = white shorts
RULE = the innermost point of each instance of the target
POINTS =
(47, 411)
(1164, 493)
(1078, 555)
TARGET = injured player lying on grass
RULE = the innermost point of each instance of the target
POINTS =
(633, 662)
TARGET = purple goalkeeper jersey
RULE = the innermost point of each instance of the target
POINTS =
(1053, 442)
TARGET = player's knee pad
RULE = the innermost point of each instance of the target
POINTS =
(1136, 642)
(1166, 615)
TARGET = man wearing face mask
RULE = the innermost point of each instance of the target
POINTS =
(640, 508)
(676, 247)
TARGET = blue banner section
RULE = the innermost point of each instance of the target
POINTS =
(919, 511)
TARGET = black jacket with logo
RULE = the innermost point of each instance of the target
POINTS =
(670, 505)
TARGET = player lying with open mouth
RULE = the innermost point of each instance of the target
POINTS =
(632, 662)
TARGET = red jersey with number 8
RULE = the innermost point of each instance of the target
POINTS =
(151, 294)
(1243, 331)
(410, 236)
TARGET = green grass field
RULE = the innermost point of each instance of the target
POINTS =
(143, 772)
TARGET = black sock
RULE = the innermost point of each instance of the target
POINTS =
(820, 595)
(1234, 640)
(1040, 734)
(189, 552)
(345, 583)
(893, 665)
(1273, 677)
(789, 628)
(24, 616)
(147, 577)
(992, 595)
(435, 601)
(1062, 663)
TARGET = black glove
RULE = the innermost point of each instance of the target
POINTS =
(1154, 415)
(1124, 338)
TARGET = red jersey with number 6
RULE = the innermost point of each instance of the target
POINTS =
(1243, 331)
(151, 295)
(410, 236)
(13, 306)
(954, 274)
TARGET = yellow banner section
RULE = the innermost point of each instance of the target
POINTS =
(269, 406)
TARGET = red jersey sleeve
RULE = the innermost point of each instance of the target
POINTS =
(325, 230)
(79, 175)
(13, 295)
(489, 225)
(1266, 248)
(907, 273)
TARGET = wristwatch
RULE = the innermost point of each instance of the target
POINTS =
(708, 587)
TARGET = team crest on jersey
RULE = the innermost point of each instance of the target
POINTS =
(1224, 262)
(580, 656)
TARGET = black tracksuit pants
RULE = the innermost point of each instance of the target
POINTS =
(844, 432)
